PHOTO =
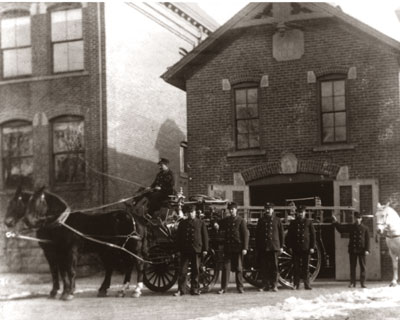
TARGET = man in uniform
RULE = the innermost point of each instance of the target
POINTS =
(269, 244)
(301, 240)
(163, 186)
(236, 242)
(358, 247)
(192, 242)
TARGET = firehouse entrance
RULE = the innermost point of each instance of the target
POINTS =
(279, 194)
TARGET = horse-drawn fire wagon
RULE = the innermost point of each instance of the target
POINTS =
(162, 273)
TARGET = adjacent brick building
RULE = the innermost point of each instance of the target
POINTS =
(291, 100)
(82, 107)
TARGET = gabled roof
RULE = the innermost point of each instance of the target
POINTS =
(278, 14)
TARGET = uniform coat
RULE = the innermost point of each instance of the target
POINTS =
(300, 239)
(269, 241)
(192, 236)
(164, 180)
(191, 240)
(301, 235)
(358, 245)
(236, 234)
(358, 237)
(269, 234)
(236, 239)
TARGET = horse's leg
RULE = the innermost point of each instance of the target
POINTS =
(127, 278)
(139, 286)
(64, 270)
(52, 260)
(71, 269)
(395, 269)
(107, 262)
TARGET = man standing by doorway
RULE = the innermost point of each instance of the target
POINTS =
(269, 244)
(301, 240)
(358, 247)
(236, 243)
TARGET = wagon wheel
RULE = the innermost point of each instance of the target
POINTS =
(251, 271)
(252, 274)
(163, 273)
(208, 272)
(286, 266)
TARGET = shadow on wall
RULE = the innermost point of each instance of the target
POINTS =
(140, 171)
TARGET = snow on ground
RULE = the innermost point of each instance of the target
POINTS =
(324, 306)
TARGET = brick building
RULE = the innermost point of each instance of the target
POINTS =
(292, 100)
(81, 98)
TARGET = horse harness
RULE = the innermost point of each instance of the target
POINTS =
(387, 229)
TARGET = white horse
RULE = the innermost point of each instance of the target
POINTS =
(388, 224)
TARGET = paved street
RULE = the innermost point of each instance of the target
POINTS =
(24, 297)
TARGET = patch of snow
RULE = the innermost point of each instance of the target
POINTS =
(324, 306)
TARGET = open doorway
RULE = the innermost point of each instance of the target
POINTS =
(278, 192)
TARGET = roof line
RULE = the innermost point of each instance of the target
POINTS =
(210, 40)
(177, 67)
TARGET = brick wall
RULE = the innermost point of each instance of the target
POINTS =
(288, 107)
(46, 96)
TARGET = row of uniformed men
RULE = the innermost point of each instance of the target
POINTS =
(192, 243)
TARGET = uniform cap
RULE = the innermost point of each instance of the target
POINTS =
(301, 208)
(357, 214)
(163, 161)
(232, 205)
(268, 205)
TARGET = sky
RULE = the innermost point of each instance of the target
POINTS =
(378, 14)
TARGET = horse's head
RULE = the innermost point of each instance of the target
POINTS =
(16, 208)
(382, 215)
(37, 208)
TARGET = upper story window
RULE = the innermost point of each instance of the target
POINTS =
(68, 150)
(16, 44)
(17, 154)
(67, 40)
(333, 110)
(247, 118)
(183, 157)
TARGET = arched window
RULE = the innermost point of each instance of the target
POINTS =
(67, 38)
(246, 117)
(17, 153)
(68, 137)
(16, 43)
(332, 91)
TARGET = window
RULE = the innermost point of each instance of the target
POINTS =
(183, 156)
(66, 37)
(247, 119)
(17, 154)
(68, 150)
(333, 110)
(16, 45)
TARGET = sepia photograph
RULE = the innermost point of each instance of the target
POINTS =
(203, 160)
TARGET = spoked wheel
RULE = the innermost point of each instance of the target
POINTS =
(286, 266)
(162, 274)
(251, 270)
(208, 272)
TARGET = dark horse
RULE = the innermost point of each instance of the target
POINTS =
(41, 211)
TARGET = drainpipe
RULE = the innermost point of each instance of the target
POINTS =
(100, 70)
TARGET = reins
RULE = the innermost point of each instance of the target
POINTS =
(11, 234)
(61, 220)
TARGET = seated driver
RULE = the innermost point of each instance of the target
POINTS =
(163, 186)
